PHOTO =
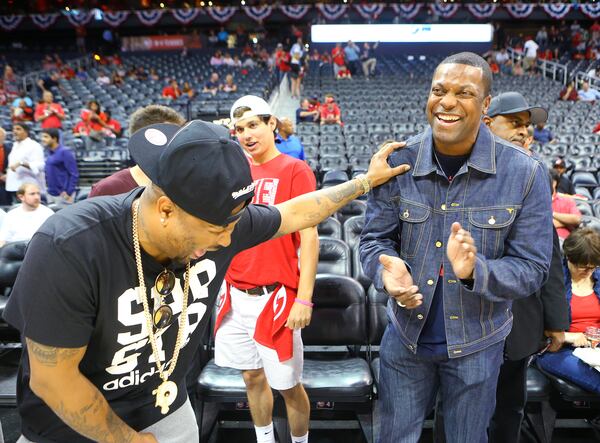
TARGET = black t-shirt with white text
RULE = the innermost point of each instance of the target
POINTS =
(76, 288)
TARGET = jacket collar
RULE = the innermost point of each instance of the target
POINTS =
(482, 158)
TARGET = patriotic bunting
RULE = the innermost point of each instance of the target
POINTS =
(222, 14)
(481, 10)
(592, 10)
(407, 11)
(79, 18)
(10, 22)
(295, 12)
(185, 16)
(115, 18)
(149, 18)
(520, 10)
(258, 13)
(43, 21)
(444, 10)
(332, 12)
(370, 11)
(557, 10)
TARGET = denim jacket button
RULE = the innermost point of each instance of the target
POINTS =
(438, 244)
(443, 207)
(411, 347)
(420, 316)
(430, 282)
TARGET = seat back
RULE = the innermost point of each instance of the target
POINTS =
(352, 228)
(339, 313)
(376, 315)
(330, 227)
(334, 257)
(354, 208)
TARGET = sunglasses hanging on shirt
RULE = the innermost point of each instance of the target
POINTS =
(164, 285)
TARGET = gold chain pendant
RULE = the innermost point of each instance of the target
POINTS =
(166, 393)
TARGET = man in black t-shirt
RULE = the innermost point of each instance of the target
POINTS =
(565, 186)
(104, 358)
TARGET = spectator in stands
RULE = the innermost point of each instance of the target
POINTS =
(541, 37)
(237, 63)
(5, 198)
(542, 134)
(297, 49)
(212, 85)
(493, 65)
(188, 90)
(116, 79)
(92, 123)
(330, 112)
(171, 91)
(82, 74)
(22, 108)
(286, 142)
(222, 37)
(530, 47)
(566, 215)
(216, 59)
(229, 85)
(282, 63)
(22, 222)
(587, 94)
(48, 113)
(111, 124)
(447, 183)
(25, 160)
(48, 82)
(352, 55)
(212, 38)
(154, 75)
(517, 68)
(127, 179)
(545, 312)
(307, 112)
(582, 277)
(103, 79)
(296, 74)
(565, 186)
(62, 175)
(569, 92)
(368, 58)
(11, 82)
(272, 270)
(227, 60)
(337, 56)
(344, 72)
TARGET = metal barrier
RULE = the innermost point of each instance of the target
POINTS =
(548, 68)
(30, 79)
(594, 81)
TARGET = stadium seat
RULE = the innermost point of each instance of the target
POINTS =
(331, 228)
(590, 222)
(334, 257)
(357, 270)
(354, 208)
(584, 179)
(352, 228)
(584, 207)
(334, 177)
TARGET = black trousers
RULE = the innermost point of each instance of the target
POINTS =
(511, 397)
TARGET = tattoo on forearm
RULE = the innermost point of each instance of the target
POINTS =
(339, 193)
(49, 355)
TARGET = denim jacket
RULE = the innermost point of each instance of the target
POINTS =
(569, 287)
(502, 197)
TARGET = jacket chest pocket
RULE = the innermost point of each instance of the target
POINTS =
(490, 227)
(413, 221)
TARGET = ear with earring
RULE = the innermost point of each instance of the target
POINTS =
(162, 220)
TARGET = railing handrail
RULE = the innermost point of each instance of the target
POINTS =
(546, 66)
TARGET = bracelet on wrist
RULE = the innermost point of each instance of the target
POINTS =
(304, 302)
(364, 181)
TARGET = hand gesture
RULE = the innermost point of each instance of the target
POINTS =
(557, 339)
(379, 171)
(461, 252)
(299, 316)
(579, 340)
(399, 283)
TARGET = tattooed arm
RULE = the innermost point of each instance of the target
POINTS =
(310, 209)
(56, 379)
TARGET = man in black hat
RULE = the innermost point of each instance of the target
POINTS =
(115, 292)
(565, 185)
(544, 314)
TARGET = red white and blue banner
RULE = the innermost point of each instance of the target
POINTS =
(115, 18)
(444, 10)
(295, 12)
(370, 11)
(520, 10)
(332, 12)
(10, 22)
(557, 10)
(149, 18)
(258, 13)
(185, 16)
(222, 13)
(407, 11)
(592, 10)
(79, 18)
(43, 21)
(481, 10)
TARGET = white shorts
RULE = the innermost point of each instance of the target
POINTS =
(236, 348)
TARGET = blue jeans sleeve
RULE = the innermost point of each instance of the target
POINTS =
(523, 267)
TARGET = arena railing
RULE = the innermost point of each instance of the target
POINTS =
(556, 71)
(593, 80)
(30, 79)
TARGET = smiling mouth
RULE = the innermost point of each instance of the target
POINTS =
(447, 118)
(250, 145)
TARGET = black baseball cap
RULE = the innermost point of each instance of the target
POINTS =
(512, 103)
(197, 166)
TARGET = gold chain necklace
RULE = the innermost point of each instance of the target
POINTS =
(166, 393)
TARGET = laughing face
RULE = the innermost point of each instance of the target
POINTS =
(457, 100)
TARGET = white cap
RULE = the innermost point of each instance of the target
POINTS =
(256, 104)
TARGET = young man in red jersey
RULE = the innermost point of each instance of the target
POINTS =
(267, 300)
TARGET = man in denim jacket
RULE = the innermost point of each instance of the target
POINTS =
(453, 243)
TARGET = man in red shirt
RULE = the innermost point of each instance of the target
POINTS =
(566, 216)
(267, 300)
(337, 56)
(330, 112)
(171, 91)
(47, 112)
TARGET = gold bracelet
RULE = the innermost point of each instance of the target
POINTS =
(364, 181)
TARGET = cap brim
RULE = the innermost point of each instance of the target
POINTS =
(537, 114)
(147, 145)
